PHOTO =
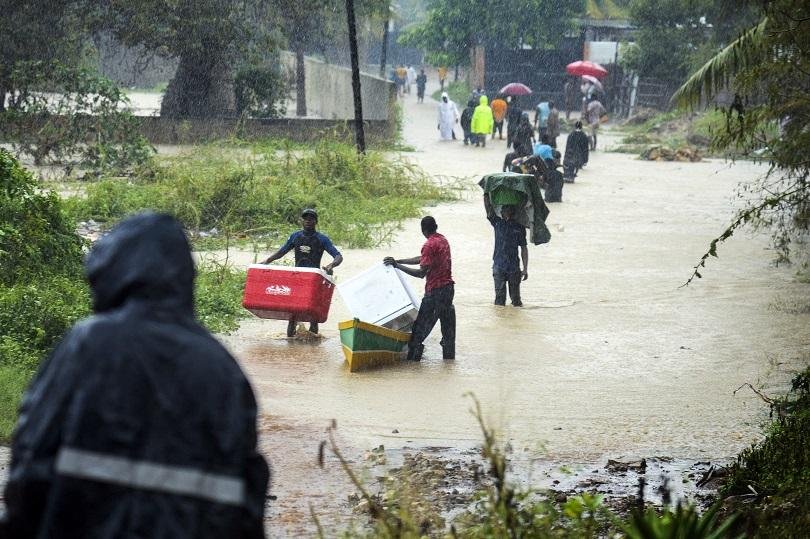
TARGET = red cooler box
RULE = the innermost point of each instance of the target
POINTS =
(282, 293)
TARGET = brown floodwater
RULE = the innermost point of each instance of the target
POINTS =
(610, 357)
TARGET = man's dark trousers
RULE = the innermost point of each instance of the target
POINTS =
(436, 305)
(502, 279)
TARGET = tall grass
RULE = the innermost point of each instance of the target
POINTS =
(261, 189)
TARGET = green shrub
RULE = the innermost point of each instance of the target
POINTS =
(13, 382)
(260, 91)
(775, 473)
(261, 189)
(36, 238)
(35, 315)
(218, 297)
(73, 117)
(458, 91)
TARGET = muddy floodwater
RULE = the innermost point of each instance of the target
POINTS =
(609, 358)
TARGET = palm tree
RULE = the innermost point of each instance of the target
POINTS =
(768, 70)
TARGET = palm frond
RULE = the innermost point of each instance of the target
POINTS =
(742, 53)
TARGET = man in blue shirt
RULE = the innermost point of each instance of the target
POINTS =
(541, 117)
(308, 246)
(510, 236)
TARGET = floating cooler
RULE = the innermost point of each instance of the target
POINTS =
(381, 296)
(284, 293)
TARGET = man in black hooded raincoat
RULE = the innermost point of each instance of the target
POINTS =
(140, 424)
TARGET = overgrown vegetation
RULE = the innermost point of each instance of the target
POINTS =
(259, 190)
(458, 92)
(676, 129)
(502, 510)
(769, 485)
(70, 117)
(766, 69)
(42, 289)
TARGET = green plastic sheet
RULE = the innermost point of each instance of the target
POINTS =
(533, 213)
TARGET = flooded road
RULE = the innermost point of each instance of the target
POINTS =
(609, 357)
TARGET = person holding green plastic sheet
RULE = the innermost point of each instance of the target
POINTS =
(510, 237)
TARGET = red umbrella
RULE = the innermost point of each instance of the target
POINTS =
(583, 67)
(515, 88)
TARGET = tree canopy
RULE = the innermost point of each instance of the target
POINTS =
(676, 36)
(452, 27)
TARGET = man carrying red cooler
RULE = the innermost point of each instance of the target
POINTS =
(308, 245)
(437, 304)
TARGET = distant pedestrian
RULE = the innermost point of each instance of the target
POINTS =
(482, 121)
(466, 122)
(541, 117)
(510, 238)
(576, 152)
(435, 265)
(448, 116)
(553, 124)
(522, 141)
(569, 96)
(308, 246)
(421, 82)
(553, 179)
(140, 423)
(498, 107)
(595, 111)
(402, 77)
(410, 78)
(513, 115)
(442, 72)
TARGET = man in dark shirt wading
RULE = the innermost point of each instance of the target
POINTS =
(510, 236)
(437, 304)
(308, 245)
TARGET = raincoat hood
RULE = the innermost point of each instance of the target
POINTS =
(483, 100)
(147, 258)
(445, 96)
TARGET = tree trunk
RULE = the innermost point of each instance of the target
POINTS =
(358, 102)
(384, 52)
(200, 89)
(300, 82)
(455, 75)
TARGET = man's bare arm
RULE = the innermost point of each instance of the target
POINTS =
(524, 254)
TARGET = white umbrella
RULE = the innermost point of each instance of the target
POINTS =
(594, 81)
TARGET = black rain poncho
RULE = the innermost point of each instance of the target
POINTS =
(140, 424)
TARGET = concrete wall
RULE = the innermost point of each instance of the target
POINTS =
(159, 130)
(168, 131)
(329, 91)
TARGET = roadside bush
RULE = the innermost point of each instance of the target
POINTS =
(260, 190)
(218, 297)
(70, 116)
(36, 238)
(13, 381)
(260, 91)
(773, 476)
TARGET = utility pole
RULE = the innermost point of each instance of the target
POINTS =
(384, 52)
(359, 135)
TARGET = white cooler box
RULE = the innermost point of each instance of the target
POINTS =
(381, 296)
